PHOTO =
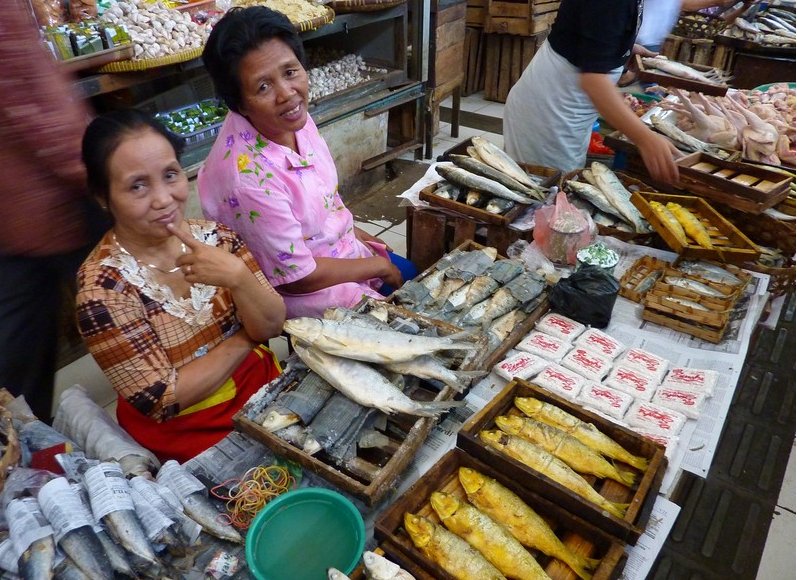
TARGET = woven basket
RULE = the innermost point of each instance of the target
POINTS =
(345, 6)
(630, 183)
(768, 231)
(148, 63)
(694, 25)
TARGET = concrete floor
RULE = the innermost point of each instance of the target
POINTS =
(377, 212)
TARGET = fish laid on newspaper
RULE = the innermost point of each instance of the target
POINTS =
(370, 345)
(367, 386)
(694, 286)
(493, 540)
(449, 551)
(563, 446)
(587, 433)
(540, 460)
(709, 271)
(526, 525)
(380, 568)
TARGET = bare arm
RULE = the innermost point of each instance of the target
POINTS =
(332, 271)
(656, 151)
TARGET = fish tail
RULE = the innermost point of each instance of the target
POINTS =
(639, 463)
(582, 566)
(614, 508)
(464, 379)
(628, 478)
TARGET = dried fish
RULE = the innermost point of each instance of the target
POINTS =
(480, 168)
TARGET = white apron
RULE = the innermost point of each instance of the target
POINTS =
(548, 118)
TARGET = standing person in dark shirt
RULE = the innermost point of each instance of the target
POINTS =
(550, 111)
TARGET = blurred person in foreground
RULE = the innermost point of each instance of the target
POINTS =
(271, 177)
(43, 208)
(173, 310)
(550, 111)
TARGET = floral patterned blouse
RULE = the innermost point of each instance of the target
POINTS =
(286, 207)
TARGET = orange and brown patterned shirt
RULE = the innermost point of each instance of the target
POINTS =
(139, 333)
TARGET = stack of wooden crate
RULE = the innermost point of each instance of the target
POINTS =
(513, 31)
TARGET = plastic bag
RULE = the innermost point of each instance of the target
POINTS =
(587, 296)
(534, 259)
(562, 229)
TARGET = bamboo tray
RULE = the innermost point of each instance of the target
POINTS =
(633, 277)
(731, 245)
(149, 63)
(427, 195)
(578, 535)
(98, 59)
(641, 498)
(666, 80)
(719, 180)
(707, 333)
(631, 184)
(373, 472)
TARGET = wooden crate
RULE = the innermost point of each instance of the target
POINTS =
(641, 498)
(447, 48)
(666, 80)
(476, 13)
(700, 51)
(519, 17)
(373, 473)
(722, 181)
(731, 245)
(639, 271)
(707, 333)
(505, 59)
(427, 195)
(473, 62)
(578, 535)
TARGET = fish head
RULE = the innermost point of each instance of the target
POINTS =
(420, 529)
(378, 566)
(471, 480)
(494, 438)
(308, 329)
(509, 424)
(529, 405)
(275, 421)
(444, 504)
(335, 574)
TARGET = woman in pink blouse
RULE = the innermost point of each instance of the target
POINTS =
(271, 178)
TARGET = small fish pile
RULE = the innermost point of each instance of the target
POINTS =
(473, 290)
(105, 525)
(680, 70)
(774, 26)
(488, 178)
(606, 199)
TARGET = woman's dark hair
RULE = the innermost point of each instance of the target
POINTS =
(103, 136)
(240, 31)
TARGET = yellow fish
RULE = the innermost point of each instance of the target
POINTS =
(564, 446)
(524, 523)
(556, 469)
(495, 543)
(449, 551)
(587, 433)
(692, 226)
(670, 222)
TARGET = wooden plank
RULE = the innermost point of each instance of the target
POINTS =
(479, 76)
(475, 16)
(492, 55)
(450, 34)
(450, 14)
(448, 65)
(640, 497)
(528, 51)
(508, 9)
(505, 68)
(428, 240)
(516, 65)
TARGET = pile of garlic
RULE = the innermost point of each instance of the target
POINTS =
(156, 31)
(338, 75)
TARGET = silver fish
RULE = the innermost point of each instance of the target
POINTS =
(433, 282)
(474, 315)
(479, 289)
(708, 271)
(694, 286)
(298, 436)
(648, 281)
(380, 568)
(370, 345)
(87, 553)
(125, 528)
(429, 367)
(67, 569)
(279, 418)
(335, 574)
(494, 156)
(499, 206)
(463, 178)
(588, 177)
(682, 139)
(365, 385)
(681, 70)
(595, 196)
(36, 562)
(163, 499)
(618, 196)
(475, 198)
(448, 191)
(688, 303)
(116, 556)
(480, 168)
(471, 150)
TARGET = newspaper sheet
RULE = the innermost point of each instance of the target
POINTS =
(642, 556)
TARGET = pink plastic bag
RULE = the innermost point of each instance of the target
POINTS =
(562, 229)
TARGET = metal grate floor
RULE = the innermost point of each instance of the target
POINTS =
(722, 528)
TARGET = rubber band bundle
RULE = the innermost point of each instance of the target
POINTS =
(246, 496)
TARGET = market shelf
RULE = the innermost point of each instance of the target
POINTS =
(722, 529)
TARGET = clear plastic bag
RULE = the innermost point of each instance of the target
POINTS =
(562, 230)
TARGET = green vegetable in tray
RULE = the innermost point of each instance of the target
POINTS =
(598, 254)
(194, 118)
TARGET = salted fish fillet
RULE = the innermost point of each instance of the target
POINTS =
(367, 386)
(369, 345)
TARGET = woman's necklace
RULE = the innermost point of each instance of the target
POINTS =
(152, 266)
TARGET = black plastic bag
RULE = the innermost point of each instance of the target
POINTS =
(587, 296)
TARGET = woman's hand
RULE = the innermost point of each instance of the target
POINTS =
(657, 152)
(204, 264)
(364, 237)
(392, 275)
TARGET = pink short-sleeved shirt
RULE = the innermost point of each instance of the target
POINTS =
(286, 207)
